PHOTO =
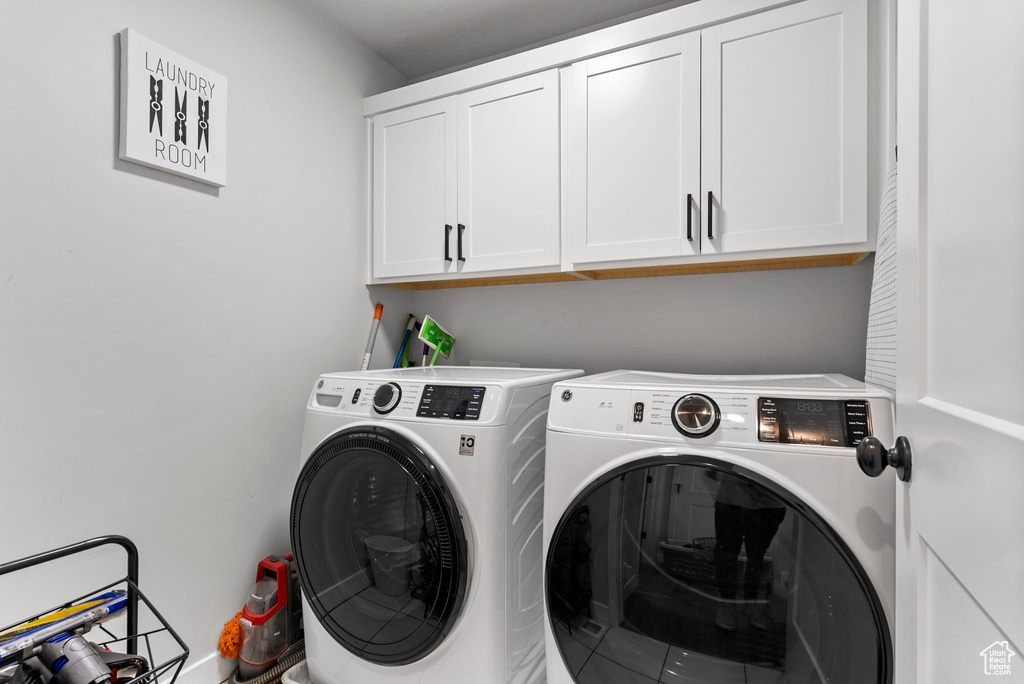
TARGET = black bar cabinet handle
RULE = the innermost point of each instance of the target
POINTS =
(447, 235)
(689, 216)
(462, 229)
(711, 207)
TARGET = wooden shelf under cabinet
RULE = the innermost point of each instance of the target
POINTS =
(643, 272)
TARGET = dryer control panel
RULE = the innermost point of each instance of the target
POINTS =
(825, 422)
(831, 420)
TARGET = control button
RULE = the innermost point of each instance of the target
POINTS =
(355, 395)
(638, 412)
(567, 395)
(696, 415)
(386, 398)
(857, 422)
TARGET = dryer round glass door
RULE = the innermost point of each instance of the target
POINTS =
(683, 570)
(380, 547)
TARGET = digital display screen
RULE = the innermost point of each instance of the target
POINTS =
(452, 402)
(825, 422)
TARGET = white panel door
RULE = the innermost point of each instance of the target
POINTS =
(414, 192)
(634, 152)
(784, 128)
(960, 365)
(509, 213)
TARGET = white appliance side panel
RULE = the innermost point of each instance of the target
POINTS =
(524, 515)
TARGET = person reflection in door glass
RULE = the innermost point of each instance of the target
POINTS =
(748, 516)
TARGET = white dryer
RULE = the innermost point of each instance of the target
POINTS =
(416, 525)
(717, 529)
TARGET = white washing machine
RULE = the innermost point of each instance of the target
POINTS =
(717, 529)
(416, 525)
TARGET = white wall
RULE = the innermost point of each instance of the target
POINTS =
(797, 321)
(158, 337)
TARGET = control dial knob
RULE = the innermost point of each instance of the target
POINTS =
(696, 415)
(386, 398)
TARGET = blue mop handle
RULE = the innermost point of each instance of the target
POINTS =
(409, 325)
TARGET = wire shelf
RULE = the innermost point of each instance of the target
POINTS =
(160, 638)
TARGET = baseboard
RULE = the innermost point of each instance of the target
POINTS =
(211, 669)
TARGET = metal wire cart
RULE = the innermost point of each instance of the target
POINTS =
(55, 638)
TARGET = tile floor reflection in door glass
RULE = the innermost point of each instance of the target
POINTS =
(681, 574)
(621, 655)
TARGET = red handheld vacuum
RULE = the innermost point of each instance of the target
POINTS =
(272, 618)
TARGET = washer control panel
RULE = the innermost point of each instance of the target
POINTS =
(453, 402)
(403, 399)
(824, 422)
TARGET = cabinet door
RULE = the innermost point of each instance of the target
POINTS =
(509, 175)
(784, 128)
(634, 152)
(414, 158)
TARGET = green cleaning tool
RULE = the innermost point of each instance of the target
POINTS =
(437, 338)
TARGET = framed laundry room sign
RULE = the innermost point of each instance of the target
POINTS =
(173, 112)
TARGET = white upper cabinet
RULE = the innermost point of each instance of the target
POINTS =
(508, 195)
(414, 177)
(746, 136)
(784, 128)
(634, 152)
(469, 183)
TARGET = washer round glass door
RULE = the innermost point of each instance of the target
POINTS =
(678, 569)
(380, 547)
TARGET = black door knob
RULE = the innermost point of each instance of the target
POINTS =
(872, 457)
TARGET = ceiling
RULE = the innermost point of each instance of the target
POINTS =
(421, 37)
